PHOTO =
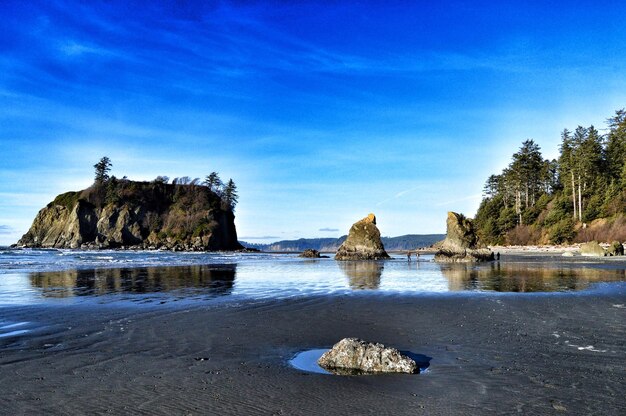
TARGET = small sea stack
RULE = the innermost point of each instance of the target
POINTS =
(461, 243)
(310, 253)
(363, 242)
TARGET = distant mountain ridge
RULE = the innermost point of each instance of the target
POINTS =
(403, 242)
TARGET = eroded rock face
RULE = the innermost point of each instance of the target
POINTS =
(363, 242)
(353, 356)
(461, 243)
(615, 249)
(77, 223)
(592, 249)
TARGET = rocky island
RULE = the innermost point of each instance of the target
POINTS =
(363, 242)
(461, 244)
(120, 213)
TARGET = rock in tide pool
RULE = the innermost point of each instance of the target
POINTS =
(592, 249)
(461, 243)
(363, 242)
(354, 356)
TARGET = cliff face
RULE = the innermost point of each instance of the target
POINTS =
(135, 215)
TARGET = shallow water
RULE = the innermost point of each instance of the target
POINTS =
(53, 276)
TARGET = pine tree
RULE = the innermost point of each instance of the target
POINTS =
(103, 167)
(230, 196)
(616, 145)
(213, 181)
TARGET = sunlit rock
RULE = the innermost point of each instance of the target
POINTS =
(461, 243)
(353, 355)
(592, 249)
(363, 242)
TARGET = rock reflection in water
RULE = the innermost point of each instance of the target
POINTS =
(362, 274)
(215, 279)
(516, 277)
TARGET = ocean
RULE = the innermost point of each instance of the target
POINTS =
(49, 276)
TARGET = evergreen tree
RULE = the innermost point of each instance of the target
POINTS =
(230, 196)
(213, 181)
(103, 167)
(567, 167)
(616, 145)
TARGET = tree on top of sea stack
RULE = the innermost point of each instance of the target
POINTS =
(103, 167)
(363, 242)
(229, 195)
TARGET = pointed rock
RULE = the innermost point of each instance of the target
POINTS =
(461, 243)
(363, 242)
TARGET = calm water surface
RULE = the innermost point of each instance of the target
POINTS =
(56, 276)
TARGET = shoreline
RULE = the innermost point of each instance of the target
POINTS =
(488, 353)
(512, 249)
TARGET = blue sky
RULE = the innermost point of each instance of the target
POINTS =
(320, 111)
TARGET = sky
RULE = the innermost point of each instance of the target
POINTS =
(320, 111)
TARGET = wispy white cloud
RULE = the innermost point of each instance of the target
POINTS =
(76, 48)
(401, 194)
(5, 230)
(329, 230)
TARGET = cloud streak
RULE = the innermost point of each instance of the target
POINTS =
(400, 194)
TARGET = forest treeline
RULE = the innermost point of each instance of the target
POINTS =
(580, 196)
(108, 189)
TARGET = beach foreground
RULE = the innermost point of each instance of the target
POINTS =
(534, 354)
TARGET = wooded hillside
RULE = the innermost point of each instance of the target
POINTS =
(579, 197)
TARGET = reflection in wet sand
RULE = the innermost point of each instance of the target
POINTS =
(215, 279)
(517, 277)
(362, 274)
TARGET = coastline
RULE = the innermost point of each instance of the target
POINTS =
(529, 353)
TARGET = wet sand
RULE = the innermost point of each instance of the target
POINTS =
(490, 353)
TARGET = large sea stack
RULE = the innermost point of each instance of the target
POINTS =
(363, 242)
(128, 214)
(461, 243)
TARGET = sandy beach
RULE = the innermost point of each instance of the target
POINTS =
(504, 353)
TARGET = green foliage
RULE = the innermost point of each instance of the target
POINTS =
(68, 199)
(558, 210)
(230, 196)
(213, 182)
(593, 208)
(562, 232)
(112, 194)
(507, 220)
